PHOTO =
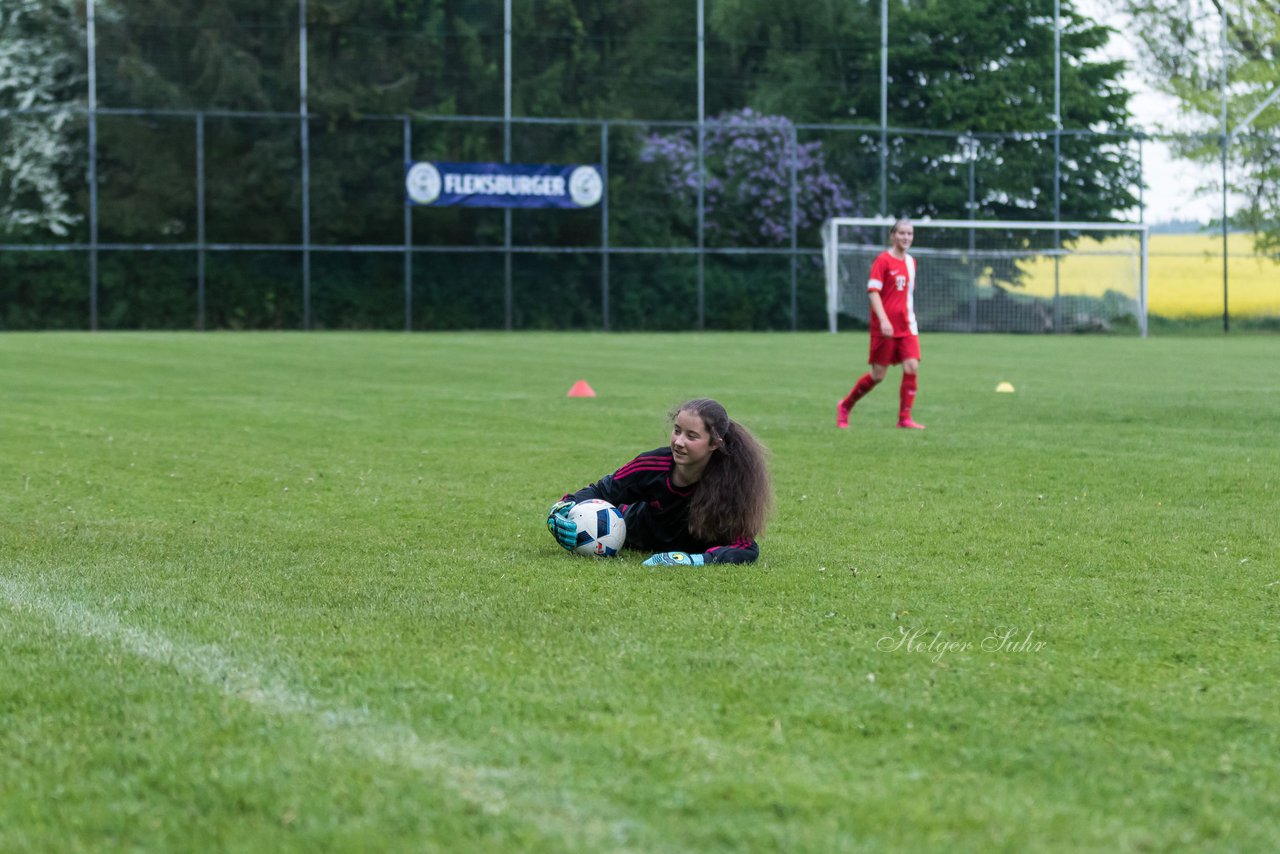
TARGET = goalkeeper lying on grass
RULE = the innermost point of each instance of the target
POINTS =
(702, 499)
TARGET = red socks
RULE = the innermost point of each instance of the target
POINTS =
(865, 384)
(906, 396)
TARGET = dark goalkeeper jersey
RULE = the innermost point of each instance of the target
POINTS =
(657, 511)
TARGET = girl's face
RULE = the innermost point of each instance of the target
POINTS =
(691, 444)
(903, 235)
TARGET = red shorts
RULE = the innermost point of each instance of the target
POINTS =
(893, 351)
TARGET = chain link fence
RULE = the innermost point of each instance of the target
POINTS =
(293, 216)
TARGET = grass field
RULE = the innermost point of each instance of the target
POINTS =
(294, 592)
(1184, 279)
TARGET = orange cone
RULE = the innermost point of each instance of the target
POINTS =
(581, 389)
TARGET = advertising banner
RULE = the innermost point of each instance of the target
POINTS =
(503, 185)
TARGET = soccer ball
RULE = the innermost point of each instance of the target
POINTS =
(601, 530)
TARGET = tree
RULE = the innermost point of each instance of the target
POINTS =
(747, 161)
(42, 81)
(1181, 47)
(984, 67)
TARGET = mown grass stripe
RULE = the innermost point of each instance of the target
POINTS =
(495, 791)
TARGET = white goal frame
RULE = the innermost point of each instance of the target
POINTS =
(831, 249)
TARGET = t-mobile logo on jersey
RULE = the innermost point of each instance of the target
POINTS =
(900, 282)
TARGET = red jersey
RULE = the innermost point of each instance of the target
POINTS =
(895, 280)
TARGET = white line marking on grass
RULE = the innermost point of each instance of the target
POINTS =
(391, 744)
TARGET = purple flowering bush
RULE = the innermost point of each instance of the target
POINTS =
(747, 190)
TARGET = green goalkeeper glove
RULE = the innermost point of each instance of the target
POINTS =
(674, 559)
(564, 529)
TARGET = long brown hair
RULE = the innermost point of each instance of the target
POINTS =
(734, 496)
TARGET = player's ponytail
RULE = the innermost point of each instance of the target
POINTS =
(734, 496)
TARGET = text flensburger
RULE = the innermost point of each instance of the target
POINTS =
(503, 185)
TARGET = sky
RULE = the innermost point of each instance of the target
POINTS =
(1171, 183)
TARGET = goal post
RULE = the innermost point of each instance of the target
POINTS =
(999, 276)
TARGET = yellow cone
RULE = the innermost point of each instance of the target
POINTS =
(1005, 387)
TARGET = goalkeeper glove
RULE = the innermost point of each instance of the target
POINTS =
(564, 529)
(674, 559)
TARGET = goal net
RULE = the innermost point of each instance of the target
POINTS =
(976, 276)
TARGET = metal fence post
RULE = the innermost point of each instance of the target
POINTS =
(91, 39)
(408, 235)
(794, 144)
(200, 223)
(604, 225)
(1226, 312)
(884, 107)
(1226, 141)
(508, 296)
(702, 178)
(1057, 162)
(971, 150)
(305, 142)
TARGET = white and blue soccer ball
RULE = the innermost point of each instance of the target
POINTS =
(601, 529)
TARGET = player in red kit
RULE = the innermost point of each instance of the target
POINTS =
(894, 336)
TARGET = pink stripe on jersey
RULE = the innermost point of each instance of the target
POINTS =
(736, 544)
(636, 466)
(659, 465)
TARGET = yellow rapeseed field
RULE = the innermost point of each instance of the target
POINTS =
(1184, 279)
